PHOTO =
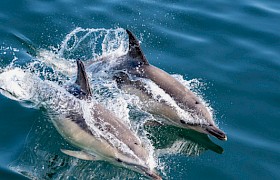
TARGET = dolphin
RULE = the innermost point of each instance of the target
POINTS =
(133, 69)
(75, 129)
(106, 138)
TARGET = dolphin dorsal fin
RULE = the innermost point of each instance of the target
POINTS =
(135, 49)
(82, 79)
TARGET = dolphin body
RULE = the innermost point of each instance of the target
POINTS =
(133, 66)
(75, 129)
(115, 142)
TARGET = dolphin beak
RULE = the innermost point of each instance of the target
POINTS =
(153, 175)
(216, 132)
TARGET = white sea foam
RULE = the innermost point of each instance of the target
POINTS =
(14, 84)
(95, 43)
(52, 59)
(160, 95)
(21, 85)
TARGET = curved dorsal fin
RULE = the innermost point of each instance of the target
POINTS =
(135, 49)
(82, 79)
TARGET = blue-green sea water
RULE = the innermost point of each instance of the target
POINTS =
(232, 48)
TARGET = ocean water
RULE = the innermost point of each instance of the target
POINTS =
(226, 51)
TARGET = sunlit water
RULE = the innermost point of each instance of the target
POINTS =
(226, 52)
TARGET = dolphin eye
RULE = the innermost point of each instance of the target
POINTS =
(182, 121)
(119, 160)
(196, 102)
(136, 143)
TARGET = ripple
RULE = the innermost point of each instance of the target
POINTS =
(266, 8)
(255, 141)
(183, 36)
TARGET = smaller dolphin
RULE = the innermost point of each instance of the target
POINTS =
(110, 148)
(99, 133)
(134, 65)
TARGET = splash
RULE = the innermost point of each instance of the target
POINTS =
(23, 86)
(10, 53)
(87, 44)
(39, 81)
(196, 86)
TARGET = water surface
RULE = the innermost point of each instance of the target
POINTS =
(231, 48)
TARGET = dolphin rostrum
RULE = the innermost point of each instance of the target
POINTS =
(99, 133)
(133, 67)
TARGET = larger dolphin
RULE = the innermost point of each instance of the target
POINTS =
(107, 138)
(134, 64)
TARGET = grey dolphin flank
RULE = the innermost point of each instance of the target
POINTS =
(134, 63)
(73, 127)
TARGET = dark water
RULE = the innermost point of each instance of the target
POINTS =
(231, 46)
